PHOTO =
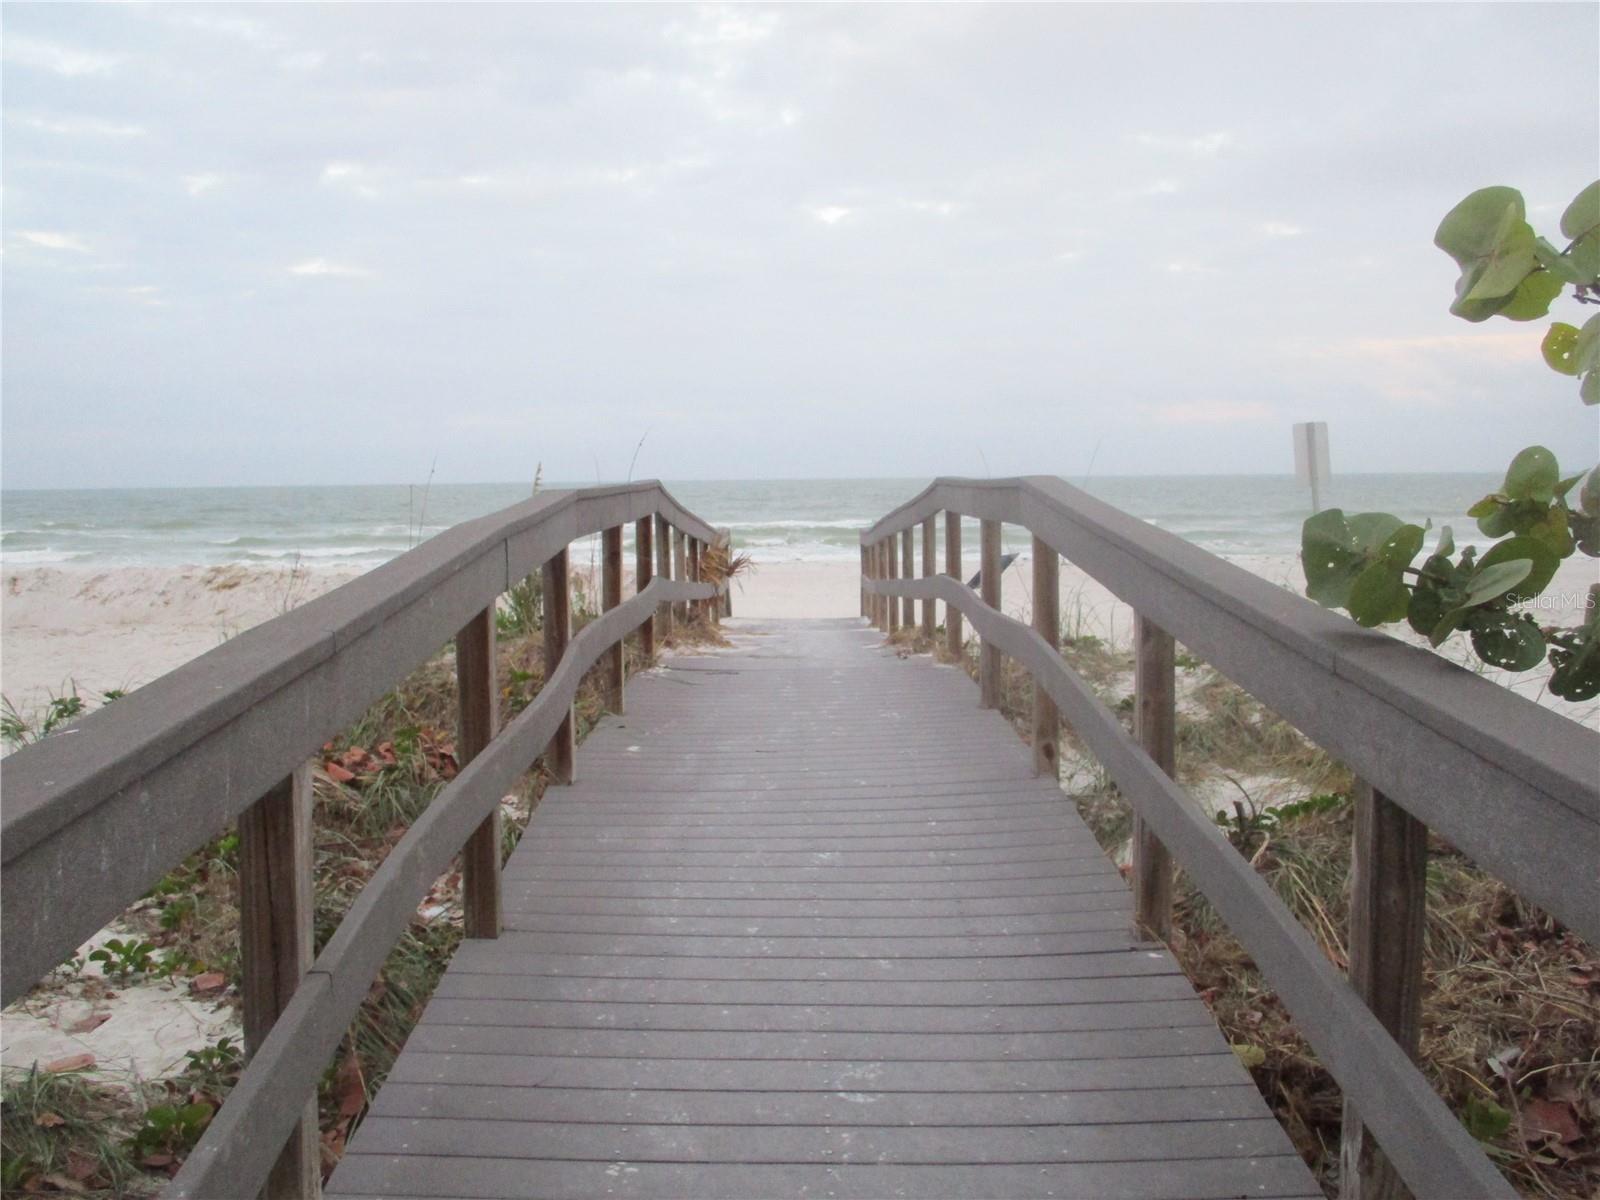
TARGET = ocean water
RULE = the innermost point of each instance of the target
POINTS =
(788, 520)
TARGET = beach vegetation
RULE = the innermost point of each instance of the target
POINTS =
(1363, 562)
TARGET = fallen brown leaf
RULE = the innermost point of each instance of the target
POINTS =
(73, 1062)
(89, 1023)
(211, 981)
(49, 1120)
(1543, 1119)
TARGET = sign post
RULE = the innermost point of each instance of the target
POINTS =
(1311, 458)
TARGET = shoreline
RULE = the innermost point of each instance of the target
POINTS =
(120, 627)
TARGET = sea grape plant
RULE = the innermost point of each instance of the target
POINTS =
(1363, 562)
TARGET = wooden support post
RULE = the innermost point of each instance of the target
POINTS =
(864, 574)
(680, 570)
(908, 570)
(891, 564)
(1155, 725)
(1388, 901)
(1047, 623)
(478, 705)
(953, 639)
(561, 756)
(875, 561)
(663, 571)
(611, 597)
(696, 551)
(988, 652)
(643, 569)
(928, 571)
(275, 944)
(727, 583)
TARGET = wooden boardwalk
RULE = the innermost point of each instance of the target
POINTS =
(808, 925)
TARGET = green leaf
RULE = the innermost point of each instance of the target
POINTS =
(1584, 258)
(1447, 542)
(1512, 643)
(1583, 214)
(1401, 546)
(1586, 347)
(1490, 239)
(1425, 609)
(1493, 580)
(1334, 550)
(1542, 563)
(1555, 262)
(1589, 389)
(1484, 1119)
(1532, 298)
(1379, 595)
(1532, 475)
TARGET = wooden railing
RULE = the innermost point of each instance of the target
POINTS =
(95, 815)
(1513, 785)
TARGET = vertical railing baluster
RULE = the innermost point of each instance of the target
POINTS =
(1047, 623)
(864, 574)
(275, 948)
(663, 571)
(1388, 908)
(929, 569)
(478, 705)
(880, 613)
(891, 556)
(988, 652)
(611, 597)
(954, 639)
(561, 757)
(727, 582)
(1155, 725)
(680, 570)
(643, 569)
(908, 571)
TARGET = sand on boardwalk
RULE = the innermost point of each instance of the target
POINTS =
(121, 627)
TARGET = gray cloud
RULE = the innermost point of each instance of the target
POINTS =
(299, 243)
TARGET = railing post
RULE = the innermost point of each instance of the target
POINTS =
(275, 945)
(891, 564)
(1155, 725)
(727, 582)
(643, 568)
(1388, 903)
(477, 703)
(562, 754)
(1047, 623)
(680, 571)
(928, 571)
(953, 639)
(908, 571)
(610, 597)
(696, 550)
(663, 571)
(875, 559)
(864, 574)
(988, 652)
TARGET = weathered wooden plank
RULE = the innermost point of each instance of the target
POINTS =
(1047, 623)
(989, 665)
(613, 664)
(1388, 911)
(664, 615)
(275, 936)
(1155, 725)
(929, 567)
(560, 756)
(908, 570)
(643, 572)
(953, 638)
(478, 711)
(1276, 1176)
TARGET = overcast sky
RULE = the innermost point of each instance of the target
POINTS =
(311, 245)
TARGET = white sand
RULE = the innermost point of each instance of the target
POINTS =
(122, 627)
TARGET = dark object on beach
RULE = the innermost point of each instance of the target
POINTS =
(1005, 561)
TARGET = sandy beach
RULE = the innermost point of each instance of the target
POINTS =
(122, 627)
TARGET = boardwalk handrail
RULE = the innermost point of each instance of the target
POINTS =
(1510, 783)
(96, 815)
(239, 1147)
